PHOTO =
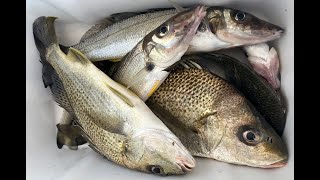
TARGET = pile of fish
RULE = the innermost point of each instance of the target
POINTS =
(145, 90)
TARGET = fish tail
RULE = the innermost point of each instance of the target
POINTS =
(44, 33)
(44, 36)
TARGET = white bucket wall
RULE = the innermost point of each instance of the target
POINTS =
(46, 162)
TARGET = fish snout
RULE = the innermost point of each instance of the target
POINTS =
(186, 164)
(274, 29)
(189, 18)
(278, 164)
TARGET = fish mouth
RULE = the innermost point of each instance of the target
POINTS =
(199, 12)
(240, 38)
(243, 39)
(276, 34)
(190, 28)
(272, 34)
(188, 21)
(185, 165)
(280, 31)
(277, 164)
(186, 30)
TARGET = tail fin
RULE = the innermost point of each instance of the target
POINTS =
(44, 33)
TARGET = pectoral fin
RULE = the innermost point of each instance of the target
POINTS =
(69, 135)
(141, 75)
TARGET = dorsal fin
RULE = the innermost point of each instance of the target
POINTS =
(114, 18)
(76, 55)
(104, 23)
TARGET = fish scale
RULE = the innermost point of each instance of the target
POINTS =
(114, 43)
(212, 119)
(116, 35)
(262, 95)
(110, 144)
(183, 91)
(114, 120)
(75, 82)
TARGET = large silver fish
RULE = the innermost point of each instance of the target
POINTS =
(143, 68)
(114, 120)
(221, 28)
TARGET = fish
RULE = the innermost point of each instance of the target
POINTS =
(142, 70)
(114, 121)
(265, 62)
(268, 101)
(213, 119)
(116, 35)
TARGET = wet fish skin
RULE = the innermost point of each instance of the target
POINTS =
(220, 29)
(143, 68)
(118, 39)
(269, 102)
(241, 28)
(214, 120)
(265, 61)
(115, 122)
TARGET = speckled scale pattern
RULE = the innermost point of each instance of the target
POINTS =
(87, 105)
(184, 95)
(110, 145)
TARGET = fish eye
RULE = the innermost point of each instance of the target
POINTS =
(251, 136)
(164, 29)
(156, 169)
(240, 16)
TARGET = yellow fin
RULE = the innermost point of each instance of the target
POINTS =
(154, 88)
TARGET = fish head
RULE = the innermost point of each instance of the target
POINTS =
(158, 152)
(248, 139)
(240, 28)
(166, 44)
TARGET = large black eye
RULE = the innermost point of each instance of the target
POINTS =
(251, 136)
(156, 170)
(240, 16)
(164, 29)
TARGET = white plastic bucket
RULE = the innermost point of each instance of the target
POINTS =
(46, 162)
